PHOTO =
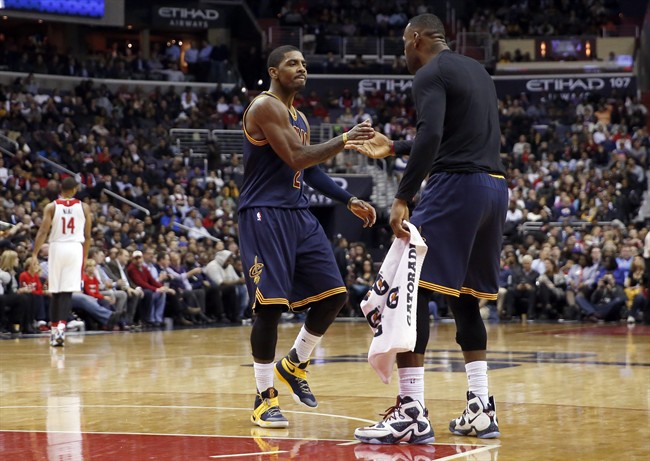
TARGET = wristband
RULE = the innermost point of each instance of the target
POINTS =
(392, 147)
(345, 138)
(350, 201)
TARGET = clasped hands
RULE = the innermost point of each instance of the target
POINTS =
(370, 143)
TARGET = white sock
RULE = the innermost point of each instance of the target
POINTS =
(411, 383)
(477, 379)
(263, 375)
(305, 344)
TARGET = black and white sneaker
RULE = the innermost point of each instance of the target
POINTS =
(477, 420)
(407, 422)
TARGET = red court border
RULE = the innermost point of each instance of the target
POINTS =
(74, 446)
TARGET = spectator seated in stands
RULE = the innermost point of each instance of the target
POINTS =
(222, 274)
(521, 297)
(155, 293)
(606, 303)
(551, 291)
(360, 283)
(17, 313)
(192, 299)
(636, 284)
(30, 278)
(110, 288)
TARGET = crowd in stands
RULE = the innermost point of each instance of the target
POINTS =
(569, 163)
(326, 22)
(201, 62)
(539, 18)
(323, 23)
(514, 18)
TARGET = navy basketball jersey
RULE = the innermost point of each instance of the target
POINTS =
(268, 180)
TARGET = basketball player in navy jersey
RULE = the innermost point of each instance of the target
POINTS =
(68, 222)
(461, 210)
(288, 260)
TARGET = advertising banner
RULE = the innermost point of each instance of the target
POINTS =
(89, 8)
(536, 86)
(566, 86)
(187, 17)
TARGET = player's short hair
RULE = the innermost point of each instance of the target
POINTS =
(277, 55)
(69, 183)
(428, 22)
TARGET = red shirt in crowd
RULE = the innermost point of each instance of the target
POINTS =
(142, 277)
(91, 286)
(32, 281)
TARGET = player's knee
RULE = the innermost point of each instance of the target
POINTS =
(422, 324)
(268, 316)
(472, 337)
(334, 303)
(321, 314)
(264, 334)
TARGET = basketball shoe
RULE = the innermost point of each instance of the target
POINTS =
(293, 373)
(76, 325)
(477, 419)
(267, 410)
(406, 422)
(57, 335)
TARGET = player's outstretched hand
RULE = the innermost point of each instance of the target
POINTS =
(364, 211)
(379, 146)
(363, 130)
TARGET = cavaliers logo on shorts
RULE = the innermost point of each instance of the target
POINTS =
(256, 271)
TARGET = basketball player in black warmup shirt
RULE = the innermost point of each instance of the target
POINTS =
(461, 214)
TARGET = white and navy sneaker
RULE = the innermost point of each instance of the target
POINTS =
(57, 335)
(477, 420)
(407, 421)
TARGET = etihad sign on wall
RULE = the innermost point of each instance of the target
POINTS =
(187, 17)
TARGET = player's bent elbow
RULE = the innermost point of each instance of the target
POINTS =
(299, 160)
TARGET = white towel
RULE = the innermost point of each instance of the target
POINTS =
(391, 304)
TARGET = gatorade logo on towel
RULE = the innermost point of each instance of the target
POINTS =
(389, 307)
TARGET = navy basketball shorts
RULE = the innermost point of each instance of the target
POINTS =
(461, 218)
(287, 258)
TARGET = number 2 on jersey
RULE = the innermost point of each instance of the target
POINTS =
(68, 224)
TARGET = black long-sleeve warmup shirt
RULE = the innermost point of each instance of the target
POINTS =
(458, 122)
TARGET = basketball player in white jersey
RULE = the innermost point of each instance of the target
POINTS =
(68, 222)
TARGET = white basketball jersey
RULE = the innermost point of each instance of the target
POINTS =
(69, 221)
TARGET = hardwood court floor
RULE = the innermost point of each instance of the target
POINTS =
(563, 392)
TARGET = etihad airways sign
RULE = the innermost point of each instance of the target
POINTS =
(576, 84)
(186, 17)
(536, 86)
(566, 87)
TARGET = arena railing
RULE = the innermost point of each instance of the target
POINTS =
(7, 145)
(60, 82)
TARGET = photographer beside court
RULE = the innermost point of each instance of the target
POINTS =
(606, 302)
